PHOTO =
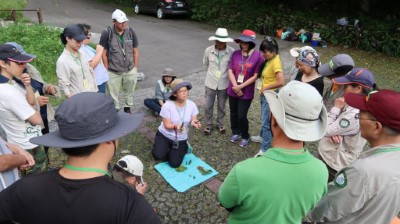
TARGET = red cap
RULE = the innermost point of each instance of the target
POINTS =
(384, 105)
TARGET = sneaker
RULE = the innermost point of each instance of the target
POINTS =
(256, 139)
(127, 110)
(259, 153)
(244, 143)
(235, 138)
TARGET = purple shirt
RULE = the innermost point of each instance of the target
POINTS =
(247, 65)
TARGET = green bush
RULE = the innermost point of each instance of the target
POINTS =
(11, 4)
(40, 40)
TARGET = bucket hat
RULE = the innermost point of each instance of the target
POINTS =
(221, 35)
(383, 104)
(132, 165)
(119, 15)
(169, 72)
(361, 76)
(88, 118)
(247, 36)
(339, 64)
(20, 49)
(299, 111)
(177, 84)
(294, 52)
(75, 32)
(10, 52)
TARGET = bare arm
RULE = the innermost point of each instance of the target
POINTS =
(35, 119)
(105, 59)
(279, 82)
(168, 124)
(11, 161)
(99, 55)
(30, 94)
(136, 57)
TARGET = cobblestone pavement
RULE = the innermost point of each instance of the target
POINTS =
(198, 204)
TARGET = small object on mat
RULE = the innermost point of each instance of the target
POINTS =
(140, 76)
(181, 181)
(203, 171)
(180, 168)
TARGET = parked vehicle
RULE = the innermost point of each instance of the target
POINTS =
(161, 7)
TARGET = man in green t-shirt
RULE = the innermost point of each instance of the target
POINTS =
(292, 181)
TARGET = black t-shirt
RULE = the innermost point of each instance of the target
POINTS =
(50, 198)
(318, 83)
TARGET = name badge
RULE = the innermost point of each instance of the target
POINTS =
(85, 84)
(240, 78)
(218, 74)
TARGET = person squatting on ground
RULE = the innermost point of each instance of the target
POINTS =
(295, 180)
(121, 59)
(270, 78)
(17, 117)
(338, 66)
(42, 91)
(72, 67)
(243, 72)
(308, 63)
(89, 129)
(130, 169)
(368, 190)
(163, 89)
(216, 61)
(343, 143)
(12, 159)
(178, 114)
(94, 58)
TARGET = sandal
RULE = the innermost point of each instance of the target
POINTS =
(222, 130)
(207, 131)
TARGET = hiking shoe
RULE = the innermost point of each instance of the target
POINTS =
(257, 139)
(235, 138)
(259, 153)
(244, 143)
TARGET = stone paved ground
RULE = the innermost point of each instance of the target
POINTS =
(198, 204)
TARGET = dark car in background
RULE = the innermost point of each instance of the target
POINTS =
(161, 7)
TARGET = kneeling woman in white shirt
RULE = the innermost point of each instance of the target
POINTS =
(178, 114)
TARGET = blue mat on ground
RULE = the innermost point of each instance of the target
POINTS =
(182, 181)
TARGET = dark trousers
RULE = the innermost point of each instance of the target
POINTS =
(153, 104)
(162, 150)
(239, 123)
(46, 130)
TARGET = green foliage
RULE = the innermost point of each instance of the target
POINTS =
(40, 40)
(376, 33)
(11, 4)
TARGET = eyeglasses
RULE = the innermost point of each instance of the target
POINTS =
(358, 117)
(183, 91)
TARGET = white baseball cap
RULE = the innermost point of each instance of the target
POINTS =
(132, 165)
(299, 111)
(119, 16)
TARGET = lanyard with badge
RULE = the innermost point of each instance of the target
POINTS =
(79, 63)
(245, 66)
(218, 73)
(175, 144)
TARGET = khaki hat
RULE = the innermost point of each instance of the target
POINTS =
(177, 84)
(299, 111)
(168, 72)
(221, 35)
